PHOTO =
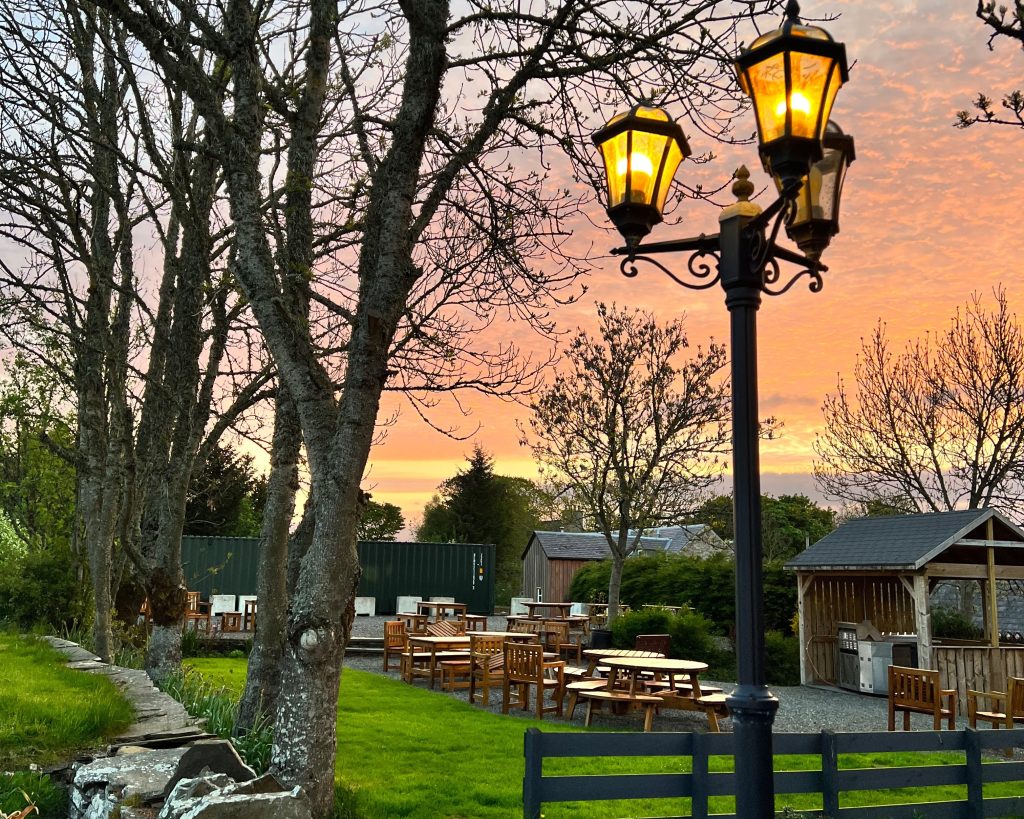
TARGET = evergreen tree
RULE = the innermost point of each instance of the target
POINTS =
(226, 497)
(478, 506)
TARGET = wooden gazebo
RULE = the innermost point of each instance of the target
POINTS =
(883, 570)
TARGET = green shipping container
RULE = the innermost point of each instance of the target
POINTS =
(465, 571)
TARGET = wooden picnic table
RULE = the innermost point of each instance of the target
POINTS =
(432, 645)
(595, 656)
(627, 675)
(558, 609)
(438, 608)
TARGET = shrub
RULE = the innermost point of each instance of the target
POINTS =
(41, 588)
(691, 633)
(954, 625)
(782, 659)
(646, 621)
(707, 585)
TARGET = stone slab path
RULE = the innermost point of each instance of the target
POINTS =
(160, 720)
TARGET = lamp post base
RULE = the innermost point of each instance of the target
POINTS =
(753, 710)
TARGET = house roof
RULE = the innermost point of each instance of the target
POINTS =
(583, 545)
(900, 541)
(679, 537)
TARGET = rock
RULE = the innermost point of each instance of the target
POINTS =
(216, 756)
(128, 750)
(134, 778)
(261, 784)
(188, 791)
(291, 804)
(215, 796)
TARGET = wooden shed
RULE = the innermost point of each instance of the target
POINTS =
(551, 559)
(883, 570)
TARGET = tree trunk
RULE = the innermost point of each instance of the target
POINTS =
(263, 680)
(98, 542)
(305, 741)
(614, 585)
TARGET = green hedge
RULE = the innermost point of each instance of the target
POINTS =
(692, 637)
(707, 585)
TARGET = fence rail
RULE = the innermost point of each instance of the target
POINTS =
(700, 784)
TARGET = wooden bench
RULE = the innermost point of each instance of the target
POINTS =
(575, 688)
(711, 703)
(644, 701)
(919, 690)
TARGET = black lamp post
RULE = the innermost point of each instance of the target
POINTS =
(792, 76)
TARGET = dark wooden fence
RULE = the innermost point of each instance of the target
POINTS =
(830, 781)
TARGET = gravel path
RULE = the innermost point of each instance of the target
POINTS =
(802, 709)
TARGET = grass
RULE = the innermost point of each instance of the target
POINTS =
(404, 751)
(48, 711)
(218, 706)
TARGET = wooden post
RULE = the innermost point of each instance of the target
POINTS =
(802, 582)
(829, 774)
(924, 630)
(993, 606)
(533, 772)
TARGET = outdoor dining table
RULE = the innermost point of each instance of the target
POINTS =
(626, 674)
(438, 608)
(414, 623)
(556, 609)
(596, 656)
(433, 645)
(632, 668)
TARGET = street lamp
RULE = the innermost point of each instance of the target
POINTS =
(792, 76)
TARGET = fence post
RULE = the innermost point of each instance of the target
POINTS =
(829, 775)
(975, 781)
(532, 773)
(699, 787)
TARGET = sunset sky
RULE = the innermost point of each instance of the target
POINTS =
(930, 214)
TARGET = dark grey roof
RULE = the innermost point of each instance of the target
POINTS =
(897, 541)
(583, 545)
(679, 537)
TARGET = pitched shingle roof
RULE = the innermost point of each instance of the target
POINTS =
(679, 537)
(583, 545)
(897, 541)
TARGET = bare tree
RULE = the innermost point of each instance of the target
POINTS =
(630, 431)
(1002, 21)
(940, 425)
(417, 141)
(94, 151)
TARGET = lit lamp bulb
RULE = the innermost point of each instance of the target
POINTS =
(797, 102)
(642, 172)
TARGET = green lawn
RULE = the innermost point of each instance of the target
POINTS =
(408, 752)
(48, 711)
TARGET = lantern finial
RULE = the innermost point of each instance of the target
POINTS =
(793, 11)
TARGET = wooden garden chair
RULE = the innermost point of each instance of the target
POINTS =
(197, 613)
(559, 640)
(1005, 709)
(525, 666)
(446, 628)
(487, 665)
(396, 641)
(919, 690)
(249, 617)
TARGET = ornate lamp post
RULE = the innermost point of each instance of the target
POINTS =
(792, 76)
